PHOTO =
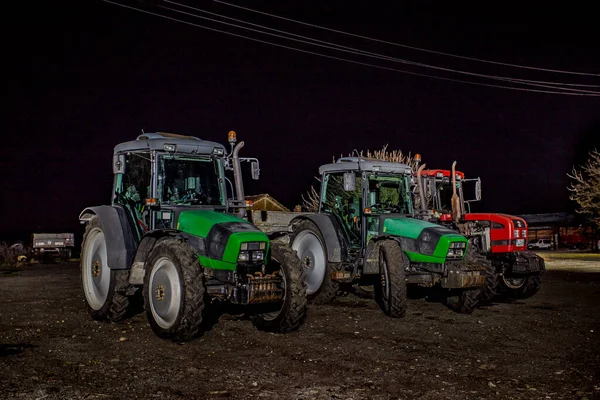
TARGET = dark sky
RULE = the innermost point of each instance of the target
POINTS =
(84, 76)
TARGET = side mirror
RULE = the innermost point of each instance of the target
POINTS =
(349, 181)
(118, 164)
(255, 170)
(478, 189)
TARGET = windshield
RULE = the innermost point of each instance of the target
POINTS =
(443, 195)
(188, 180)
(389, 194)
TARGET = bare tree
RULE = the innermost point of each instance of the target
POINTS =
(585, 188)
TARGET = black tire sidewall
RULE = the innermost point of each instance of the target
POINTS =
(293, 309)
(395, 305)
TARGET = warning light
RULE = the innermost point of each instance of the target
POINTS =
(417, 157)
(232, 137)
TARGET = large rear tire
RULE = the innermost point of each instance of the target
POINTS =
(293, 308)
(174, 290)
(390, 292)
(100, 284)
(308, 242)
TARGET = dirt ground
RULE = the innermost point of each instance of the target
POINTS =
(546, 347)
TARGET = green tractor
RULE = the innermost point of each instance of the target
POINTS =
(174, 241)
(365, 233)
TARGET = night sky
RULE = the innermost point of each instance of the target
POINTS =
(84, 77)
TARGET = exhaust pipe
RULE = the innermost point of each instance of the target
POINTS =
(237, 177)
(455, 199)
(420, 186)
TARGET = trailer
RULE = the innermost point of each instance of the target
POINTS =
(53, 244)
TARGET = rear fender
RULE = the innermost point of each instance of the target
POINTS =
(335, 244)
(120, 241)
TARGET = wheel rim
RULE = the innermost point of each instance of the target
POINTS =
(94, 270)
(310, 251)
(164, 292)
(513, 283)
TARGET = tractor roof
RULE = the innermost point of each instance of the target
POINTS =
(158, 140)
(361, 164)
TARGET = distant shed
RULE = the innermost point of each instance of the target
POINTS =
(264, 202)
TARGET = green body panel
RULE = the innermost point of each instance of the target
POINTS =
(200, 222)
(411, 228)
(232, 249)
(406, 227)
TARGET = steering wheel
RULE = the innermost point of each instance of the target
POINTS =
(194, 197)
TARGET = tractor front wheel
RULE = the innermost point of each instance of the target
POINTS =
(293, 307)
(523, 287)
(101, 284)
(174, 290)
(486, 292)
(390, 292)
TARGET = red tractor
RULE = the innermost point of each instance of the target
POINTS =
(499, 240)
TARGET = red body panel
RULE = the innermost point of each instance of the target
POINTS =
(502, 233)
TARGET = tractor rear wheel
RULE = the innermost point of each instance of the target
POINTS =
(174, 290)
(101, 284)
(390, 292)
(308, 242)
(293, 307)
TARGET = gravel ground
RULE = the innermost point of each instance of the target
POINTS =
(546, 347)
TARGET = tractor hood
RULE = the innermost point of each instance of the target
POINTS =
(423, 241)
(220, 237)
(508, 233)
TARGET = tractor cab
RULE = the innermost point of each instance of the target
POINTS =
(437, 185)
(357, 192)
(159, 174)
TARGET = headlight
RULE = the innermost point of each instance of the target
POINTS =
(458, 245)
(524, 233)
(244, 256)
(252, 251)
(516, 233)
(455, 253)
